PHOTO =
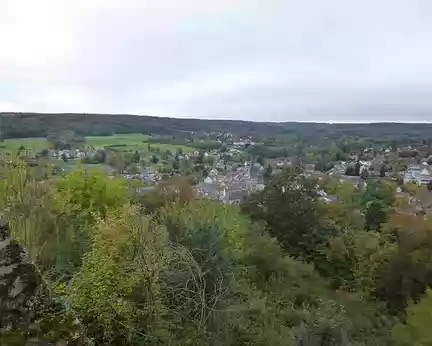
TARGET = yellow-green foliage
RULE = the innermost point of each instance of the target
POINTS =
(184, 271)
(92, 192)
(411, 188)
(102, 290)
(53, 219)
(417, 330)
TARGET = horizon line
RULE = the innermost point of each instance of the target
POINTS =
(329, 122)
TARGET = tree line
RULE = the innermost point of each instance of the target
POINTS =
(17, 125)
(165, 267)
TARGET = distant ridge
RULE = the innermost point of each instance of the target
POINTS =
(26, 124)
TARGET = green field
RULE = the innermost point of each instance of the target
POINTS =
(123, 142)
(130, 142)
(36, 144)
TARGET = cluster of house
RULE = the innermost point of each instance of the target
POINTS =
(234, 187)
(418, 174)
(66, 153)
(148, 177)
(372, 167)
(244, 142)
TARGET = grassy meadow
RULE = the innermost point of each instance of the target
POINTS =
(36, 144)
(129, 140)
(122, 142)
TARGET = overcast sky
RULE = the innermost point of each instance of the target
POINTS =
(261, 60)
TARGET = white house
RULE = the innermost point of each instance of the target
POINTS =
(417, 174)
(208, 180)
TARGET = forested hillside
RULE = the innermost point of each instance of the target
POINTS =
(16, 125)
(166, 267)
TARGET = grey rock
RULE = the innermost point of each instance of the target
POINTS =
(25, 301)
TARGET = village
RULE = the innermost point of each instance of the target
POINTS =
(229, 172)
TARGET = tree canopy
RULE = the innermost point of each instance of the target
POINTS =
(165, 266)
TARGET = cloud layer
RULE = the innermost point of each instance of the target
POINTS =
(273, 60)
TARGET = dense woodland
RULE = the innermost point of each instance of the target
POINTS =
(168, 268)
(15, 125)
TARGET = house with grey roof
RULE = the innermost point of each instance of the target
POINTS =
(234, 196)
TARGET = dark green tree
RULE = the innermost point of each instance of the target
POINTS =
(404, 273)
(166, 155)
(384, 191)
(382, 171)
(288, 206)
(176, 165)
(260, 160)
(100, 156)
(357, 168)
(268, 173)
(200, 158)
(44, 152)
(350, 170)
(364, 174)
(136, 157)
(375, 215)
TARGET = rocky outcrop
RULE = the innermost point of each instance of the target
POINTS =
(19, 284)
(28, 315)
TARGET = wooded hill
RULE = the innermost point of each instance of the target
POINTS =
(16, 125)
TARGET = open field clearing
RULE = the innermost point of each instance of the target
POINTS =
(122, 142)
(130, 139)
(36, 144)
(131, 142)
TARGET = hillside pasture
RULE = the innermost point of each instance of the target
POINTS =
(121, 142)
(36, 144)
(130, 142)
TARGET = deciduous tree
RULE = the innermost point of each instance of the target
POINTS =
(288, 206)
(417, 329)
(375, 215)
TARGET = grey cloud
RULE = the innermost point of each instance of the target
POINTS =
(274, 60)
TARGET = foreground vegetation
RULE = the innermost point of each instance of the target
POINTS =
(168, 268)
